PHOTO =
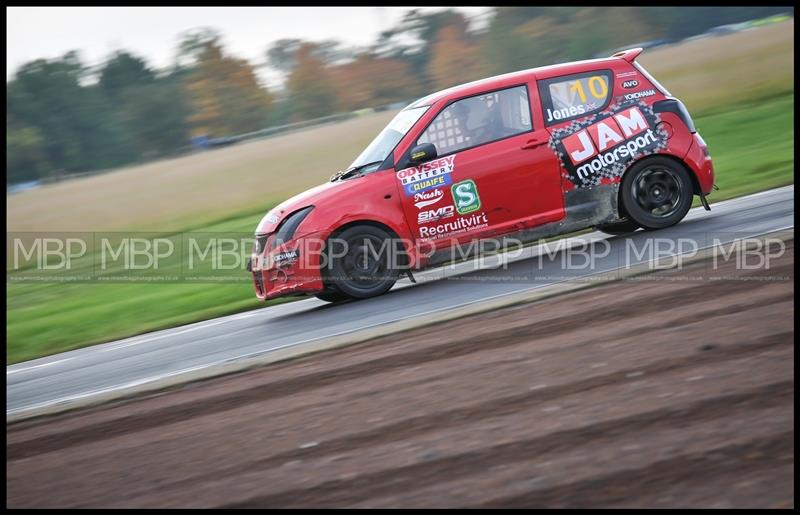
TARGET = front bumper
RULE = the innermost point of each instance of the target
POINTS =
(291, 269)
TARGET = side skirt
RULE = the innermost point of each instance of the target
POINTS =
(585, 207)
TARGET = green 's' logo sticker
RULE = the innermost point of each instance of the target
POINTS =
(465, 195)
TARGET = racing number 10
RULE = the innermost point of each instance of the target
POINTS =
(599, 94)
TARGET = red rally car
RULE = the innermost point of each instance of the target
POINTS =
(517, 157)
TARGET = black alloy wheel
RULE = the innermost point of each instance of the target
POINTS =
(657, 193)
(362, 261)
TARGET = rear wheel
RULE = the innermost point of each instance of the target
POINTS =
(657, 193)
(361, 261)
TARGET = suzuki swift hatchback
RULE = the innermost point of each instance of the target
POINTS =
(517, 157)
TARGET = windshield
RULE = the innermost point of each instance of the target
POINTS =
(389, 137)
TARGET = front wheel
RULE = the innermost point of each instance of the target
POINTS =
(657, 193)
(362, 261)
(332, 296)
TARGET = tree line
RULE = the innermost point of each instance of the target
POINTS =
(64, 117)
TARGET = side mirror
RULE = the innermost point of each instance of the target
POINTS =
(423, 152)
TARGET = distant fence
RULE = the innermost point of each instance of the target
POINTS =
(207, 143)
(200, 144)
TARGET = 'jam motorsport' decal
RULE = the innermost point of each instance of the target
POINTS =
(601, 146)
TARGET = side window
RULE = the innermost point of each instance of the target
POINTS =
(480, 119)
(572, 96)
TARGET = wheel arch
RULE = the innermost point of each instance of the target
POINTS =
(374, 223)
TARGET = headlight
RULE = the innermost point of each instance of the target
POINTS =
(289, 225)
(261, 243)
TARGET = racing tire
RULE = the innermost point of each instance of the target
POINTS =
(617, 228)
(333, 296)
(656, 193)
(361, 263)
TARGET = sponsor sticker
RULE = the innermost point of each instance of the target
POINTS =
(433, 215)
(427, 176)
(601, 147)
(459, 225)
(640, 94)
(286, 258)
(465, 195)
(427, 198)
(630, 84)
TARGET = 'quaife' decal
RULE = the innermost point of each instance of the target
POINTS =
(603, 145)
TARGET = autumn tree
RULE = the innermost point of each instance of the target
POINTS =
(311, 93)
(455, 57)
(122, 71)
(225, 95)
(412, 40)
(370, 81)
(596, 31)
(282, 54)
(26, 158)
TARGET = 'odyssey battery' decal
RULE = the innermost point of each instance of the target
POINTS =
(427, 176)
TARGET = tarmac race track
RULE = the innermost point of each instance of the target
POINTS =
(673, 389)
(119, 365)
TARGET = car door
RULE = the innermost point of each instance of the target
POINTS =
(494, 171)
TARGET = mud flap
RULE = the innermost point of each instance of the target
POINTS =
(704, 202)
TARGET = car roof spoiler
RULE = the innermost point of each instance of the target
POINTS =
(629, 55)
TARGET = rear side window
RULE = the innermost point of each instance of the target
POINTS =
(573, 96)
(481, 119)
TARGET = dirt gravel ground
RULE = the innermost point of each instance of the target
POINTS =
(675, 391)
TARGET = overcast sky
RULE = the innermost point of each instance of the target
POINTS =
(152, 32)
